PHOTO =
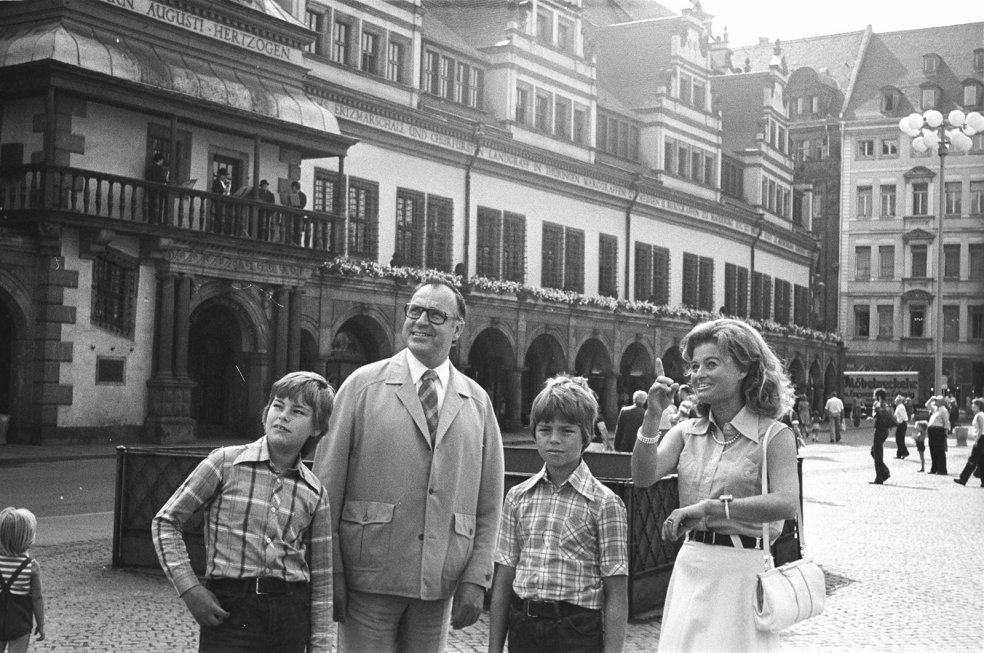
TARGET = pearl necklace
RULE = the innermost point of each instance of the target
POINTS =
(729, 441)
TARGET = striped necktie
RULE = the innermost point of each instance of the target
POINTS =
(428, 399)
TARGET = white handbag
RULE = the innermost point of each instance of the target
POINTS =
(793, 592)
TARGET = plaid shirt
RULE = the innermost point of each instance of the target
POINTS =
(563, 540)
(257, 524)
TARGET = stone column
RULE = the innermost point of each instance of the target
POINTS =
(609, 398)
(280, 331)
(294, 333)
(514, 400)
(165, 328)
(182, 326)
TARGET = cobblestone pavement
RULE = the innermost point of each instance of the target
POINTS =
(903, 560)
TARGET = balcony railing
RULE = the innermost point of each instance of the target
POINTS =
(89, 193)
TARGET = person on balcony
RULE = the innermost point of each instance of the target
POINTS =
(158, 173)
(221, 185)
(741, 390)
(298, 200)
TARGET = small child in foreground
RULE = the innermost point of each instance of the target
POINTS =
(561, 560)
(21, 603)
(268, 584)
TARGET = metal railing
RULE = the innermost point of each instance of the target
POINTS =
(41, 187)
(147, 476)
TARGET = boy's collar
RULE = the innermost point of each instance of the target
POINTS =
(580, 480)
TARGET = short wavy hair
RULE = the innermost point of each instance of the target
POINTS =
(766, 388)
(569, 399)
(307, 388)
(18, 528)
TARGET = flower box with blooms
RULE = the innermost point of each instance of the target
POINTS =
(345, 267)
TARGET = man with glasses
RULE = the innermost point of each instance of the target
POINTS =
(414, 472)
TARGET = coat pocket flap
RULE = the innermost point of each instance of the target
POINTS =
(464, 524)
(368, 512)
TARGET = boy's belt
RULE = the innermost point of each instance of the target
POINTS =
(261, 585)
(548, 609)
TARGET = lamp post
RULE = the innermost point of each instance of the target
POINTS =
(928, 130)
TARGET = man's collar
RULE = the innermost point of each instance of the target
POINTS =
(417, 369)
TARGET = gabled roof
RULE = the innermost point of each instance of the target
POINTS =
(835, 56)
(896, 59)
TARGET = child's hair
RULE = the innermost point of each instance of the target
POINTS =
(18, 527)
(568, 399)
(307, 388)
(979, 402)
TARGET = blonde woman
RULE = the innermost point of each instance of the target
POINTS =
(741, 390)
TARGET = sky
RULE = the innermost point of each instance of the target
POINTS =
(747, 20)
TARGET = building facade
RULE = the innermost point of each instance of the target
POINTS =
(506, 147)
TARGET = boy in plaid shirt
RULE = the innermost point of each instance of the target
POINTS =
(267, 533)
(562, 565)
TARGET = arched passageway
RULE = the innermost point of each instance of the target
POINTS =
(491, 362)
(356, 343)
(544, 358)
(216, 363)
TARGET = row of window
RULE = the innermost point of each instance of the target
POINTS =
(932, 62)
(692, 91)
(351, 42)
(816, 148)
(689, 161)
(775, 197)
(916, 326)
(918, 257)
(888, 205)
(424, 227)
(552, 114)
(453, 80)
(888, 148)
(555, 30)
(931, 97)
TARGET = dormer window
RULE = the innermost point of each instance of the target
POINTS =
(931, 64)
(972, 94)
(979, 60)
(890, 101)
(930, 97)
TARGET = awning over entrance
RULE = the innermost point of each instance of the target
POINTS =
(128, 59)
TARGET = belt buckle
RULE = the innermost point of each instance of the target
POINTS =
(526, 610)
(258, 587)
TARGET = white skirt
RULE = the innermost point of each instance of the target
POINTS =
(710, 600)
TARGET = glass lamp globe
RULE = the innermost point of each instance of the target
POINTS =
(975, 121)
(919, 144)
(933, 118)
(956, 118)
(915, 121)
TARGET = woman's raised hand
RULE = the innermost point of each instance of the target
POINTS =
(660, 392)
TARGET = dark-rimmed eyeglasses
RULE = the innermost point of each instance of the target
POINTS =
(434, 316)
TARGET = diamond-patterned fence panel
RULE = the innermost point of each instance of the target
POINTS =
(145, 479)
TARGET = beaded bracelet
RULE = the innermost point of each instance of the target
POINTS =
(647, 440)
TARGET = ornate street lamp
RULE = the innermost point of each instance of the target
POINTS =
(931, 130)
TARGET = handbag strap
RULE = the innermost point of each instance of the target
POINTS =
(766, 544)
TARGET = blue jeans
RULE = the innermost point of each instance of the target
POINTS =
(259, 623)
(582, 632)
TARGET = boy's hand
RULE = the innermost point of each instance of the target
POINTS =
(203, 606)
(467, 605)
(39, 631)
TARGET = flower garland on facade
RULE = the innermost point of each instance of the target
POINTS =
(346, 267)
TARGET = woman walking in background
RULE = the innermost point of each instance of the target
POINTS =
(902, 419)
(939, 426)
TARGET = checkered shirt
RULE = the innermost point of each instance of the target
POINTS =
(256, 524)
(563, 540)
